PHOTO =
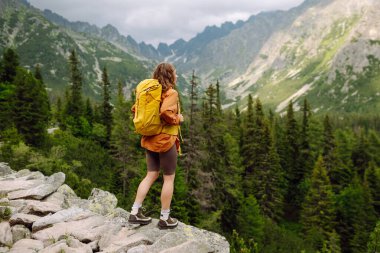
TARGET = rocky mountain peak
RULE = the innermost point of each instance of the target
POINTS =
(42, 213)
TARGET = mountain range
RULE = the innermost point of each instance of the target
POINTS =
(325, 50)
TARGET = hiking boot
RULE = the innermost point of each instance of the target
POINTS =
(139, 218)
(170, 223)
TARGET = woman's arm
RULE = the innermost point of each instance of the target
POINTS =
(169, 108)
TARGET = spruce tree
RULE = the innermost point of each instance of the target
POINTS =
(355, 216)
(191, 146)
(107, 108)
(59, 114)
(374, 240)
(89, 112)
(372, 179)
(267, 176)
(9, 64)
(31, 110)
(39, 77)
(218, 100)
(247, 150)
(250, 222)
(75, 100)
(215, 146)
(123, 139)
(306, 157)
(318, 210)
(291, 163)
(339, 173)
(74, 109)
(360, 155)
(37, 73)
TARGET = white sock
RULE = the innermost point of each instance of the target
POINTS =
(165, 214)
(135, 208)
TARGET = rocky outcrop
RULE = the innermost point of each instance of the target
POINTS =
(42, 214)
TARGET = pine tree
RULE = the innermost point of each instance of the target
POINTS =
(374, 240)
(328, 145)
(218, 100)
(318, 209)
(355, 215)
(38, 76)
(191, 147)
(366, 221)
(31, 110)
(247, 148)
(306, 157)
(291, 163)
(339, 173)
(250, 222)
(267, 176)
(75, 100)
(360, 155)
(232, 195)
(372, 179)
(215, 146)
(59, 114)
(74, 109)
(123, 139)
(107, 108)
(37, 73)
(9, 64)
(89, 112)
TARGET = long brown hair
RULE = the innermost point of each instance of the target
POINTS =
(166, 75)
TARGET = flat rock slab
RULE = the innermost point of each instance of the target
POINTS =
(68, 228)
(7, 186)
(48, 186)
(23, 219)
(62, 246)
(40, 208)
(27, 246)
(64, 215)
(121, 243)
(189, 247)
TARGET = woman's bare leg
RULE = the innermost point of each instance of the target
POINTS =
(145, 185)
(167, 191)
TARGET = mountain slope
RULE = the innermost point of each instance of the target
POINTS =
(330, 54)
(37, 40)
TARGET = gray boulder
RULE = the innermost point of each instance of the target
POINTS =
(50, 185)
(5, 169)
(27, 246)
(102, 202)
(20, 232)
(23, 219)
(5, 234)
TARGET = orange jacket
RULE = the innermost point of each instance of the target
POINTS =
(169, 114)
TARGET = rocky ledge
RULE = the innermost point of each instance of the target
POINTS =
(42, 214)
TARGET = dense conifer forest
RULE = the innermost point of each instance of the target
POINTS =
(299, 182)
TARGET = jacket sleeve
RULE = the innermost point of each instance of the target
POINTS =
(169, 108)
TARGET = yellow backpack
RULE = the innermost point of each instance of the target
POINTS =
(147, 107)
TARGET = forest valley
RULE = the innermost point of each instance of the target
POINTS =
(299, 182)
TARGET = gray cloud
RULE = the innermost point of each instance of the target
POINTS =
(160, 21)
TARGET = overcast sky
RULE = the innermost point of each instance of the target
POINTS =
(155, 21)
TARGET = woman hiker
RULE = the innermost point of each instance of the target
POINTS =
(161, 151)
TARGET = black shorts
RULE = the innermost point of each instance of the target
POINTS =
(167, 161)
